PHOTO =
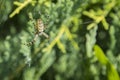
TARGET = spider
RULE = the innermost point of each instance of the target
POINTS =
(39, 30)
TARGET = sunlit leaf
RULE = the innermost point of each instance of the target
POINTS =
(111, 72)
(105, 24)
(100, 55)
(61, 46)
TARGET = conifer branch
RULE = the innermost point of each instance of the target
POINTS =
(20, 7)
(61, 31)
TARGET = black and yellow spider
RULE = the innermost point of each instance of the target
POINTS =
(39, 30)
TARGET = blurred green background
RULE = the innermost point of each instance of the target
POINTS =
(83, 44)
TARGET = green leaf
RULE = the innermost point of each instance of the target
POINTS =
(112, 74)
(61, 46)
(105, 24)
(100, 55)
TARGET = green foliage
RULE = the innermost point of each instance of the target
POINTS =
(5, 9)
(74, 28)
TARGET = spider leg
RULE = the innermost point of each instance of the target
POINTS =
(44, 34)
(35, 38)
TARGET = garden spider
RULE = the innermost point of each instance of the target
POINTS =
(39, 30)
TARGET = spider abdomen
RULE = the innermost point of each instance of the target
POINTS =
(39, 26)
